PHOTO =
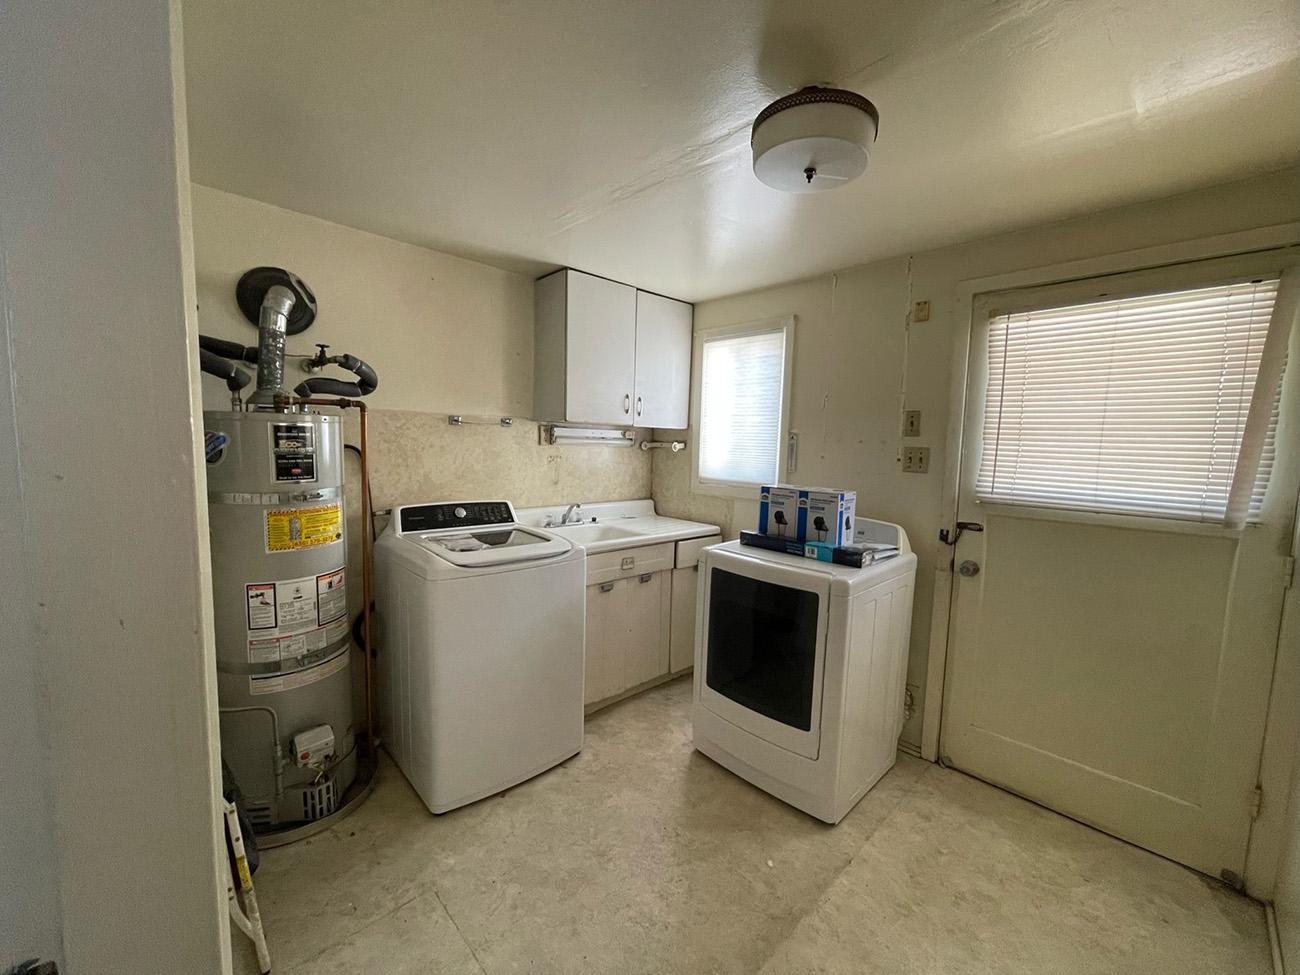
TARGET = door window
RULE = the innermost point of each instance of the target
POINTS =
(762, 646)
(1136, 405)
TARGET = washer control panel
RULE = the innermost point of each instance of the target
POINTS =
(453, 514)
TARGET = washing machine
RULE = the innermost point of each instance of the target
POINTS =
(480, 666)
(801, 669)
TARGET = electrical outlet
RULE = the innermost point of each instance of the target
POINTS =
(912, 423)
(920, 312)
(916, 460)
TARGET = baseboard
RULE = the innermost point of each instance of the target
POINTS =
(590, 709)
(1274, 944)
(909, 749)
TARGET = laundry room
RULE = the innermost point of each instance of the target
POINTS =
(590, 487)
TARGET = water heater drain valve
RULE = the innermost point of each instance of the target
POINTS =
(314, 747)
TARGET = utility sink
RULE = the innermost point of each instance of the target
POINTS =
(588, 533)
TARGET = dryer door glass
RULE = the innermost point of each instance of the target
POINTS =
(762, 649)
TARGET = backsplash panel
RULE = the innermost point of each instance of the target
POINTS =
(418, 457)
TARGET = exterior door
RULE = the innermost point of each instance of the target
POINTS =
(1116, 667)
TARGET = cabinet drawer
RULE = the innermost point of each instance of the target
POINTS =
(608, 566)
(689, 549)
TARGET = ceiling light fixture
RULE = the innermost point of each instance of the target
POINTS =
(815, 139)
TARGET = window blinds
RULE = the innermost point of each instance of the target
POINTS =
(740, 407)
(1134, 405)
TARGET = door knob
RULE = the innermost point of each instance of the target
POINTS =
(969, 568)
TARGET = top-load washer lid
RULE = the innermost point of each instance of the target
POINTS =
(475, 533)
(493, 545)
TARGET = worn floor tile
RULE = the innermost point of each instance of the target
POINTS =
(641, 855)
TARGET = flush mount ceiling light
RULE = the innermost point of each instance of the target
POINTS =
(815, 139)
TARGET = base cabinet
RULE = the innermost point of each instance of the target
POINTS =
(628, 633)
(681, 652)
(640, 615)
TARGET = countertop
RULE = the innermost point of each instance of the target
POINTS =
(608, 526)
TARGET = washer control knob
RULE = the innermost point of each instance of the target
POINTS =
(460, 512)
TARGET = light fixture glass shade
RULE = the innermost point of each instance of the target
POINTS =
(816, 139)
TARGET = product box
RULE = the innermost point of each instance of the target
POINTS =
(782, 513)
(821, 551)
(830, 515)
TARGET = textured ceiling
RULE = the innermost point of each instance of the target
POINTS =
(614, 136)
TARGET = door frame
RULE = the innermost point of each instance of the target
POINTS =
(1280, 749)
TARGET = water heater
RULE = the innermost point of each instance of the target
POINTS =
(277, 525)
(279, 591)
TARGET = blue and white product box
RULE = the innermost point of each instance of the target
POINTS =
(780, 513)
(830, 515)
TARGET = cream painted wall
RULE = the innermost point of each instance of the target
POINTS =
(446, 335)
(852, 340)
(112, 859)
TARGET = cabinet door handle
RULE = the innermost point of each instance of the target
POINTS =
(638, 406)
(627, 402)
(647, 576)
(607, 587)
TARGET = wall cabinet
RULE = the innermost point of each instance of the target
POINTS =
(663, 362)
(607, 353)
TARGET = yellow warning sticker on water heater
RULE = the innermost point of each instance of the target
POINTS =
(293, 529)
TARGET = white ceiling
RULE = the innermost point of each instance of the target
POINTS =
(614, 136)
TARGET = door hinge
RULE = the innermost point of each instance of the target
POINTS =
(1256, 802)
(1288, 572)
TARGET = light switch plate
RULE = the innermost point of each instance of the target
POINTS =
(916, 460)
(912, 423)
(921, 311)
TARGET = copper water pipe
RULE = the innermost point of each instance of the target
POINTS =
(367, 518)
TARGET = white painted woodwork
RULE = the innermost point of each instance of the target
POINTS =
(682, 645)
(606, 614)
(605, 353)
(649, 606)
(686, 579)
(663, 361)
(1118, 669)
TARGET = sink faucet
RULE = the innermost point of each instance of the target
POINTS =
(572, 511)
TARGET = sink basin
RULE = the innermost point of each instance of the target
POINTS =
(586, 534)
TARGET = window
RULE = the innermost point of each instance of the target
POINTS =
(1136, 405)
(742, 402)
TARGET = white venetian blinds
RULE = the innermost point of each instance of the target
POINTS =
(741, 399)
(1134, 405)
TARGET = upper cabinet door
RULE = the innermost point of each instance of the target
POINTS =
(663, 362)
(600, 367)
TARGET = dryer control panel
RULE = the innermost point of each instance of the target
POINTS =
(453, 514)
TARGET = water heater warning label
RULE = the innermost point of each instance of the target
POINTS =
(293, 618)
(294, 529)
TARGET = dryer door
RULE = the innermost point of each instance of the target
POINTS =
(764, 652)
